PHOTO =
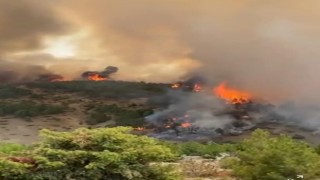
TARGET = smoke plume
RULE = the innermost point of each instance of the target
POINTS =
(105, 74)
(267, 47)
(201, 107)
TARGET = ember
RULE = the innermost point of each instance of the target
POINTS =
(231, 95)
(139, 128)
(186, 125)
(176, 85)
(197, 88)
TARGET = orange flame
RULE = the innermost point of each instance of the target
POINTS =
(197, 88)
(175, 85)
(186, 124)
(139, 128)
(96, 77)
(231, 95)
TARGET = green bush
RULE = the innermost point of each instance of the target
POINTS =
(106, 89)
(275, 158)
(123, 116)
(9, 91)
(29, 109)
(92, 154)
(9, 148)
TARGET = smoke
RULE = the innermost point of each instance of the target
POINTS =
(199, 106)
(25, 22)
(13, 72)
(267, 47)
(106, 73)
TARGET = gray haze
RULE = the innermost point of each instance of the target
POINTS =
(200, 106)
(266, 47)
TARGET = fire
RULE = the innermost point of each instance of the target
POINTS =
(176, 85)
(96, 77)
(197, 88)
(231, 95)
(186, 124)
(139, 128)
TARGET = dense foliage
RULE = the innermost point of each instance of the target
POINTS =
(275, 158)
(29, 109)
(90, 154)
(115, 153)
(9, 148)
(106, 89)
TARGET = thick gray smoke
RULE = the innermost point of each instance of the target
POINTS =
(199, 106)
(267, 47)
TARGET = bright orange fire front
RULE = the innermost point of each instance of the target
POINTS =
(230, 94)
(96, 77)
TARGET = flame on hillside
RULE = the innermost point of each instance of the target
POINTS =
(176, 85)
(96, 77)
(231, 95)
(197, 88)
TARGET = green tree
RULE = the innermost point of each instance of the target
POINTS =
(93, 154)
(262, 157)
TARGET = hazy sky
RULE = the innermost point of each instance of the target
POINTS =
(268, 47)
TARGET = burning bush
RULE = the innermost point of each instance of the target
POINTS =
(100, 75)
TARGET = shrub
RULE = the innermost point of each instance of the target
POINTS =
(9, 148)
(123, 117)
(275, 158)
(8, 91)
(92, 154)
(106, 89)
(25, 109)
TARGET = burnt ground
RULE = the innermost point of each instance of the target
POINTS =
(81, 98)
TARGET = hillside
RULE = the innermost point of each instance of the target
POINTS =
(63, 106)
(27, 108)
